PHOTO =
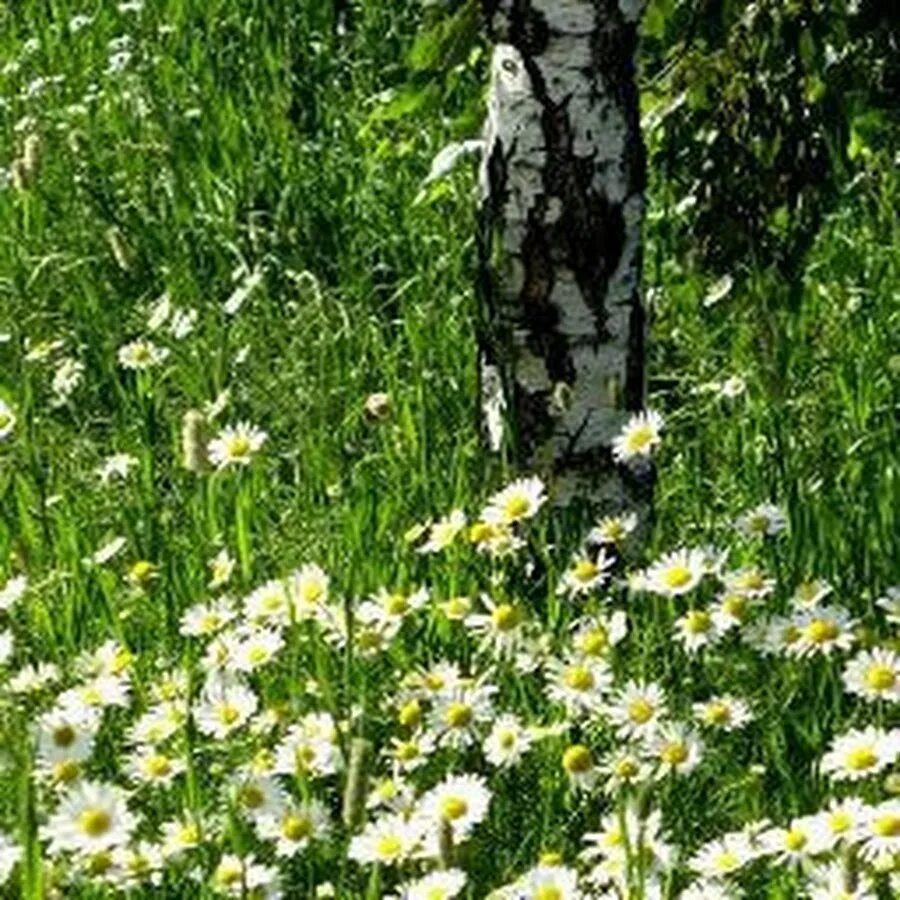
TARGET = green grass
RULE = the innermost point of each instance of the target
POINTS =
(245, 134)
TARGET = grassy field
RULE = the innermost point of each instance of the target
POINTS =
(236, 159)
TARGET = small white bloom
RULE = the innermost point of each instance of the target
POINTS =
(141, 354)
(639, 438)
(236, 445)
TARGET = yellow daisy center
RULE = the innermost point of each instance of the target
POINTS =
(639, 438)
(229, 714)
(880, 677)
(627, 768)
(64, 736)
(238, 445)
(595, 642)
(389, 846)
(505, 617)
(396, 605)
(674, 754)
(579, 678)
(158, 766)
(459, 715)
(795, 840)
(821, 631)
(548, 892)
(861, 758)
(585, 570)
(718, 713)
(296, 828)
(640, 710)
(516, 507)
(453, 808)
(887, 825)
(95, 822)
(697, 622)
(677, 576)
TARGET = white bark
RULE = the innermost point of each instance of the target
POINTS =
(562, 185)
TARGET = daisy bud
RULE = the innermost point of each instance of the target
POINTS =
(193, 441)
(377, 406)
(892, 784)
(31, 156)
(357, 783)
(120, 249)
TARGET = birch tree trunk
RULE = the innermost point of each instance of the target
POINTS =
(562, 200)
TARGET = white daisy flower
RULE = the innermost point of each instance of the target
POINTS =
(586, 574)
(12, 592)
(221, 568)
(224, 708)
(809, 594)
(750, 582)
(731, 611)
(597, 635)
(723, 856)
(823, 631)
(31, 679)
(441, 885)
(153, 767)
(625, 767)
(411, 753)
(579, 684)
(890, 603)
(874, 675)
(723, 712)
(444, 532)
(696, 629)
(270, 603)
(236, 445)
(803, 838)
(556, 882)
(91, 817)
(765, 520)
(6, 647)
(507, 741)
(295, 827)
(259, 797)
(676, 750)
(205, 619)
(613, 529)
(638, 709)
(501, 629)
(459, 714)
(309, 749)
(516, 502)
(460, 801)
(879, 832)
(676, 573)
(116, 467)
(308, 591)
(579, 765)
(141, 354)
(388, 841)
(242, 877)
(68, 375)
(858, 754)
(639, 438)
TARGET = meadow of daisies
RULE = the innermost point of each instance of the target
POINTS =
(272, 620)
